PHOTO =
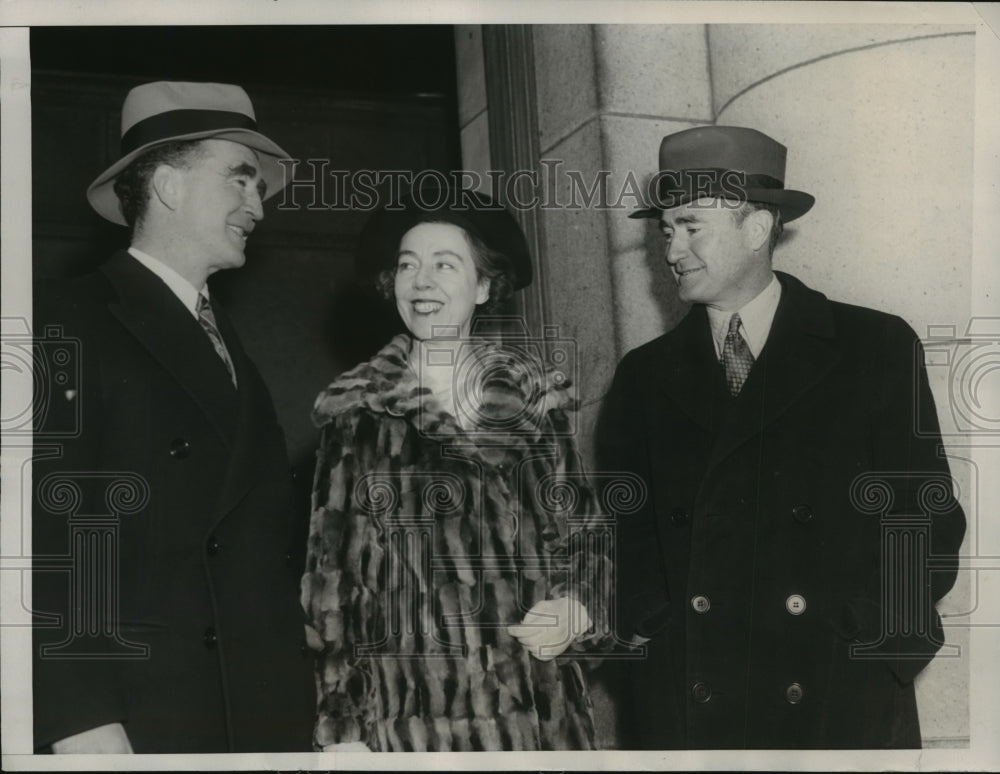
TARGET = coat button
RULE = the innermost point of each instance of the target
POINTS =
(794, 693)
(701, 692)
(210, 638)
(795, 604)
(802, 514)
(180, 448)
(700, 603)
(212, 546)
(679, 517)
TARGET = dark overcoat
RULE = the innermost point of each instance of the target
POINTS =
(781, 563)
(429, 539)
(200, 524)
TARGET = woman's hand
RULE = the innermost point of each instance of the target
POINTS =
(550, 626)
(313, 640)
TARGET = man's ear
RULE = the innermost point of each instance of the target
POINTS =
(757, 226)
(166, 186)
(483, 290)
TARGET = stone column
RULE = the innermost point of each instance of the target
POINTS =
(606, 95)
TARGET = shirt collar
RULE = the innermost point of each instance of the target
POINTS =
(756, 317)
(180, 287)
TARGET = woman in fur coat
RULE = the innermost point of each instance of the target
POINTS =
(453, 569)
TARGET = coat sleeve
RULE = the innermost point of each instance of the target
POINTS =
(72, 692)
(338, 597)
(642, 599)
(586, 543)
(909, 460)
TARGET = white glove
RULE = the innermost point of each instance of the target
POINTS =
(551, 626)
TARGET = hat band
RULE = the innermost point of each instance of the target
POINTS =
(674, 187)
(177, 123)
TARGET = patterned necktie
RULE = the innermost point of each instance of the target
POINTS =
(207, 319)
(736, 357)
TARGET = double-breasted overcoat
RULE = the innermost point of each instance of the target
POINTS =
(780, 566)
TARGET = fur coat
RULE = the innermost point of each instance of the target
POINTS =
(427, 540)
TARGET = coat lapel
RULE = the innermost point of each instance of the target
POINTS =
(147, 308)
(688, 373)
(250, 439)
(801, 350)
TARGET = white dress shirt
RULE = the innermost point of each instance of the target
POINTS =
(756, 317)
(180, 287)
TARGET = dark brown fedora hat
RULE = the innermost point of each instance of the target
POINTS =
(436, 201)
(728, 162)
(168, 111)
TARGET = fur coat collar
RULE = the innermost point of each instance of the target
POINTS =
(509, 395)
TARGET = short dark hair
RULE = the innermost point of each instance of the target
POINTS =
(132, 184)
(490, 264)
(777, 227)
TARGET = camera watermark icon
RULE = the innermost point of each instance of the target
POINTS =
(91, 565)
(500, 385)
(50, 364)
(971, 366)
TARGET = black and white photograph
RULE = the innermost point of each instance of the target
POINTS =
(529, 386)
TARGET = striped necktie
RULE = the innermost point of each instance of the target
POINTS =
(736, 357)
(207, 319)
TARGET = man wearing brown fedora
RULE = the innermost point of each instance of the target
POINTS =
(775, 582)
(183, 632)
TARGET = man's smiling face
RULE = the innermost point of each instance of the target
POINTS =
(221, 202)
(715, 261)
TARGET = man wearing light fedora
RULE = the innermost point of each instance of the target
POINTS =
(775, 582)
(190, 641)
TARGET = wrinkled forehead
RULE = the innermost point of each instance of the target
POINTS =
(694, 210)
(435, 228)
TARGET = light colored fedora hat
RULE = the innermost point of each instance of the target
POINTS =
(730, 162)
(169, 111)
